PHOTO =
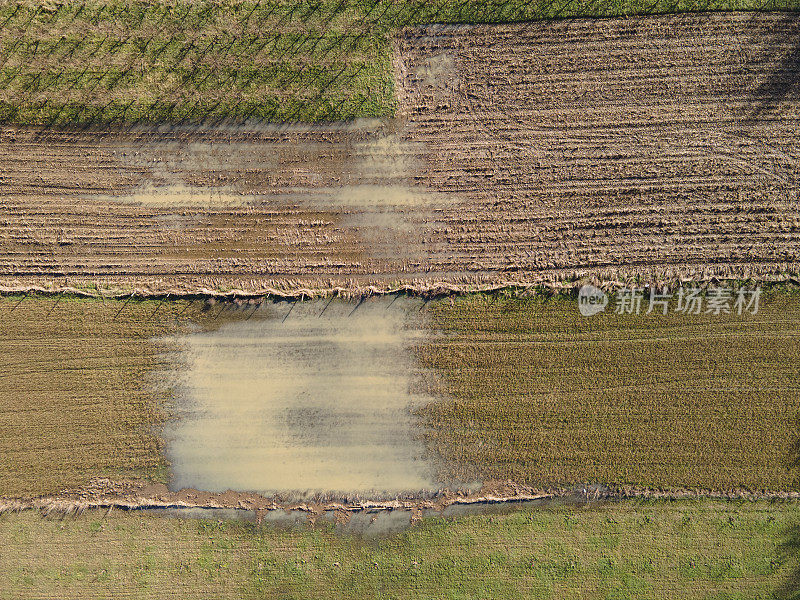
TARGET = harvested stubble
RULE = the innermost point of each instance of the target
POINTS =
(525, 153)
(537, 393)
(74, 396)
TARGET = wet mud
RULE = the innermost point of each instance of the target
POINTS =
(301, 398)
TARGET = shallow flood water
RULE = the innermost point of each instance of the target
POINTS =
(371, 523)
(304, 398)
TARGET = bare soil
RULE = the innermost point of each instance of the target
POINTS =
(659, 146)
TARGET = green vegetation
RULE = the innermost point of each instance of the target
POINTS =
(100, 63)
(537, 393)
(691, 549)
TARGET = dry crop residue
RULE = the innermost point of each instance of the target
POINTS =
(663, 146)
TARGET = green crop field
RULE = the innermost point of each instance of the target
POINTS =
(101, 63)
(538, 393)
(688, 549)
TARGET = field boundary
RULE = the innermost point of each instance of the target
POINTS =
(106, 494)
(422, 290)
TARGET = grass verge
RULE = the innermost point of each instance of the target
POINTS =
(687, 549)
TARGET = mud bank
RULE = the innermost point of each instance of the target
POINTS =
(424, 290)
(372, 522)
(492, 497)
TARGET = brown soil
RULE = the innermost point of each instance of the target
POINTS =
(663, 146)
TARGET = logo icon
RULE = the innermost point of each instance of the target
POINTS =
(591, 300)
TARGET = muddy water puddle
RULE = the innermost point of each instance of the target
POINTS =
(177, 196)
(300, 399)
(368, 522)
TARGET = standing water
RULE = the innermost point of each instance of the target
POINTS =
(308, 398)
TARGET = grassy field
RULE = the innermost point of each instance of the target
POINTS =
(74, 399)
(537, 393)
(98, 63)
(697, 549)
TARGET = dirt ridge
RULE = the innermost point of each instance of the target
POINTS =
(104, 493)
(421, 289)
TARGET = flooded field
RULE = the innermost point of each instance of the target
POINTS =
(301, 398)
(342, 400)
(375, 522)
